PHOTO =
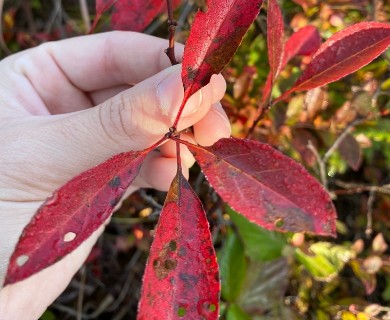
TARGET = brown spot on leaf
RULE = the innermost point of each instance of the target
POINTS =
(170, 264)
(223, 53)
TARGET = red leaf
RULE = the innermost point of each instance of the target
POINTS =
(72, 214)
(344, 53)
(275, 38)
(351, 152)
(266, 90)
(214, 38)
(101, 7)
(265, 186)
(181, 279)
(131, 15)
(136, 15)
(304, 42)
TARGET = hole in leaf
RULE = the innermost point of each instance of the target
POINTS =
(170, 264)
(279, 223)
(172, 245)
(181, 312)
(70, 236)
(212, 307)
(21, 260)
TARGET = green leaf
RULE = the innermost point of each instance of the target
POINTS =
(324, 260)
(48, 315)
(232, 267)
(386, 292)
(265, 286)
(235, 313)
(368, 279)
(260, 244)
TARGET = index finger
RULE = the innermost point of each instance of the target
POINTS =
(110, 59)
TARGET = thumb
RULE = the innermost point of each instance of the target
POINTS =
(141, 115)
(132, 120)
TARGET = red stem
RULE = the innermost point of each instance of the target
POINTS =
(178, 156)
(185, 99)
(178, 140)
(155, 145)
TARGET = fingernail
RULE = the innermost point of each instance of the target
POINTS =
(170, 93)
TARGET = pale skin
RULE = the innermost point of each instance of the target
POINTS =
(69, 105)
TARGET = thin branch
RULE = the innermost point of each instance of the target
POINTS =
(374, 10)
(321, 164)
(323, 160)
(150, 201)
(151, 29)
(85, 15)
(128, 281)
(184, 14)
(351, 188)
(263, 108)
(341, 138)
(53, 15)
(170, 51)
(370, 205)
(80, 298)
(106, 302)
(26, 6)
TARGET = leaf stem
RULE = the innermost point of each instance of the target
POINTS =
(321, 164)
(262, 110)
(155, 145)
(185, 99)
(370, 205)
(341, 138)
(179, 168)
(177, 139)
(170, 51)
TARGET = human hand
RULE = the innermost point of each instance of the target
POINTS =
(50, 131)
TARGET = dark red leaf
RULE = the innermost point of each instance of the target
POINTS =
(300, 140)
(344, 53)
(131, 15)
(72, 214)
(181, 279)
(266, 186)
(214, 38)
(136, 15)
(266, 90)
(351, 152)
(275, 38)
(304, 42)
(101, 7)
